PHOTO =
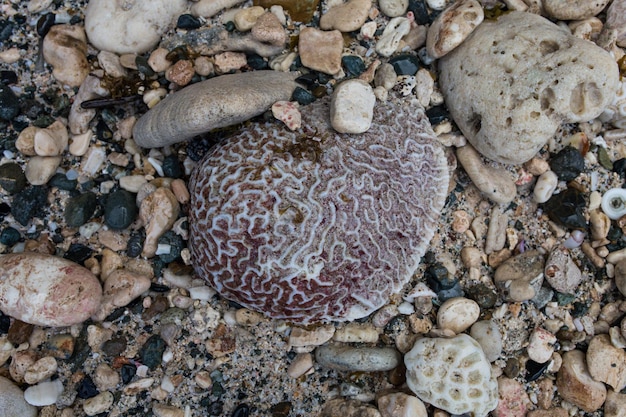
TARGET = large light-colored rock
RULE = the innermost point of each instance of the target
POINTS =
(46, 290)
(576, 385)
(514, 81)
(65, 48)
(12, 401)
(127, 27)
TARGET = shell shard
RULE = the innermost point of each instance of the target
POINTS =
(314, 225)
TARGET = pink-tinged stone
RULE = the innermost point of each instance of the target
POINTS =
(46, 290)
(288, 113)
(513, 400)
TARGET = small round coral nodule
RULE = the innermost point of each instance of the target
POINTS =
(314, 225)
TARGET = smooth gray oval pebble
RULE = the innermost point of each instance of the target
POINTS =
(365, 359)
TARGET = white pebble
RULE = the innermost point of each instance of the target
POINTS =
(457, 314)
(44, 393)
(393, 8)
(541, 345)
(395, 30)
(352, 107)
(202, 293)
(614, 203)
(545, 186)
(98, 404)
(488, 336)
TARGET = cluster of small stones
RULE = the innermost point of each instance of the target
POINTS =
(529, 259)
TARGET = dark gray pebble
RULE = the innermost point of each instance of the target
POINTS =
(567, 164)
(120, 209)
(152, 351)
(29, 203)
(9, 236)
(80, 209)
(9, 103)
(12, 178)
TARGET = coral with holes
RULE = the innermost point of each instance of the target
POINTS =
(452, 374)
(313, 225)
(515, 80)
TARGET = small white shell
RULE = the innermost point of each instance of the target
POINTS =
(614, 203)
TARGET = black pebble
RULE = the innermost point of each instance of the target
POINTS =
(242, 410)
(86, 389)
(80, 209)
(5, 323)
(44, 24)
(120, 209)
(115, 346)
(9, 103)
(172, 167)
(437, 278)
(128, 372)
(9, 236)
(302, 96)
(215, 408)
(176, 246)
(135, 244)
(484, 296)
(257, 62)
(567, 164)
(353, 65)
(619, 167)
(103, 131)
(420, 11)
(29, 203)
(12, 178)
(79, 253)
(152, 351)
(8, 77)
(6, 29)
(61, 181)
(535, 369)
(187, 21)
(437, 114)
(566, 209)
(405, 64)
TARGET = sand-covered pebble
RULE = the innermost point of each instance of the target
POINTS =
(535, 76)
(513, 400)
(47, 290)
(561, 271)
(453, 26)
(521, 276)
(399, 404)
(12, 400)
(352, 107)
(443, 372)
(487, 334)
(133, 27)
(357, 359)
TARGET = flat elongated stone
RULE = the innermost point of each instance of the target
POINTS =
(211, 104)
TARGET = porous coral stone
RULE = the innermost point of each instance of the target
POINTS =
(314, 225)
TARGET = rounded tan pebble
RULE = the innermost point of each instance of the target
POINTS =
(496, 232)
(20, 362)
(39, 169)
(110, 63)
(573, 9)
(615, 405)
(606, 363)
(268, 29)
(181, 72)
(80, 143)
(399, 404)
(600, 224)
(105, 377)
(98, 404)
(179, 188)
(487, 334)
(385, 76)
(495, 183)
(42, 369)
(352, 107)
(300, 365)
(65, 49)
(25, 142)
(365, 359)
(248, 317)
(452, 26)
(321, 50)
(209, 8)
(457, 314)
(541, 345)
(460, 221)
(97, 335)
(348, 408)
(346, 17)
(575, 384)
(393, 8)
(356, 333)
(79, 118)
(537, 166)
(246, 18)
(545, 186)
(46, 290)
(300, 337)
(204, 67)
(203, 379)
(52, 140)
(620, 276)
(470, 256)
(120, 288)
(158, 60)
(520, 277)
(162, 410)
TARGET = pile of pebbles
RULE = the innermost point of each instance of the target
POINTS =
(529, 259)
